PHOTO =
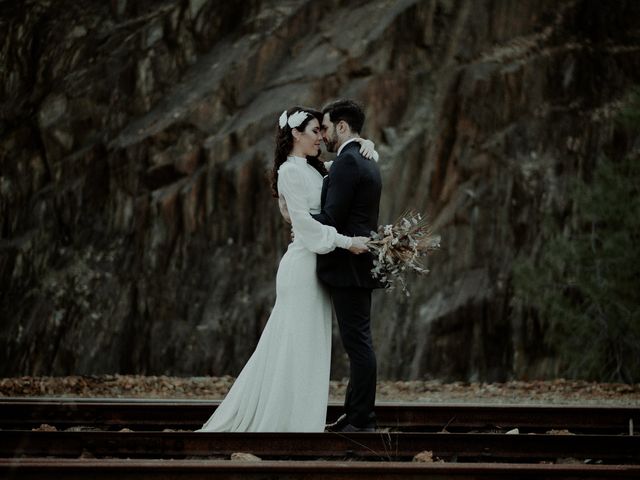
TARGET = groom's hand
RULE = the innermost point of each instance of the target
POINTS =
(359, 245)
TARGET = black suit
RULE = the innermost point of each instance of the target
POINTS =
(350, 203)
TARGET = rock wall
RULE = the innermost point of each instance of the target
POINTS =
(138, 234)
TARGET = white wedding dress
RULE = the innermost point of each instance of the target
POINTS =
(284, 387)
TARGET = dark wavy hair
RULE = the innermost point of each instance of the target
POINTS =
(346, 110)
(284, 145)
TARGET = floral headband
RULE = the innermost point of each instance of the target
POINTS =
(294, 120)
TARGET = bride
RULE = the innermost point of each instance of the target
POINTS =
(284, 387)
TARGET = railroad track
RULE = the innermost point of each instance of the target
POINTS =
(362, 446)
(114, 414)
(598, 441)
(46, 469)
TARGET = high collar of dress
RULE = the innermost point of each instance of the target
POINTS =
(297, 160)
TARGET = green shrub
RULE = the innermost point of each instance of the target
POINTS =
(585, 282)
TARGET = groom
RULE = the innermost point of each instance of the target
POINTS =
(350, 203)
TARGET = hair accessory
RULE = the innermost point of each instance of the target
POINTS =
(294, 120)
(282, 121)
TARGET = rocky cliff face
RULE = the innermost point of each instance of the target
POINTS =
(137, 229)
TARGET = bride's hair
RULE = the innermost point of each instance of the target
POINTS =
(284, 145)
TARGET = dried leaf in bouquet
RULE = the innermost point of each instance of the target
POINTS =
(397, 248)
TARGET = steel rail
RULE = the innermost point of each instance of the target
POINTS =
(21, 413)
(46, 469)
(373, 446)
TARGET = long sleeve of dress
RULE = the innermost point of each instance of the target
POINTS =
(314, 236)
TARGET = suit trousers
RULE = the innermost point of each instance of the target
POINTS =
(353, 311)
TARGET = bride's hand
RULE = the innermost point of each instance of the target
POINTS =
(359, 245)
(367, 149)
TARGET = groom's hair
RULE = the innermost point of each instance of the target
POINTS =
(346, 110)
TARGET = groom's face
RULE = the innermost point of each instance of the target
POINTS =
(329, 134)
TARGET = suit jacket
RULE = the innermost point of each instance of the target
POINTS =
(350, 202)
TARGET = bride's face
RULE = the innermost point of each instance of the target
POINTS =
(308, 141)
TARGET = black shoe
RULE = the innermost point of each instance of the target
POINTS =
(348, 428)
(338, 424)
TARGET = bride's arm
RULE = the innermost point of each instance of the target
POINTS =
(314, 236)
(367, 149)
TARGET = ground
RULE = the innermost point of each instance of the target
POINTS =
(214, 388)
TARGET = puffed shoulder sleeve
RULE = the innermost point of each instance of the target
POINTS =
(315, 236)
